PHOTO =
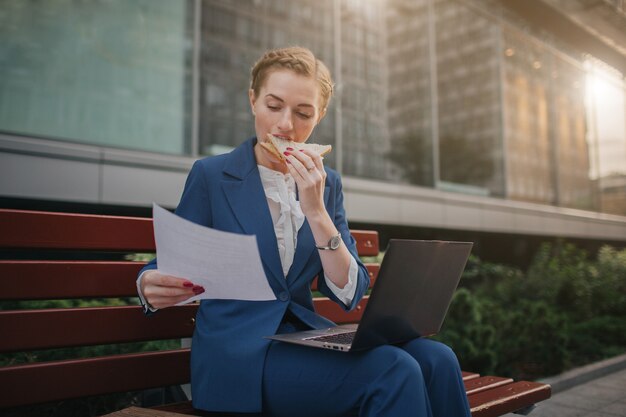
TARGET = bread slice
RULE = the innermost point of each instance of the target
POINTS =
(278, 146)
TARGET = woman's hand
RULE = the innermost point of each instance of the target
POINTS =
(308, 171)
(161, 291)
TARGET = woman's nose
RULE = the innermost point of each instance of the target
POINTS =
(285, 122)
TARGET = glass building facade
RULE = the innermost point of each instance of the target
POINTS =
(507, 117)
(456, 95)
(112, 73)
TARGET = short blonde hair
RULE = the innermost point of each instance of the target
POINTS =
(295, 58)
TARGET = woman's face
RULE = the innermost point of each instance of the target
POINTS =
(288, 106)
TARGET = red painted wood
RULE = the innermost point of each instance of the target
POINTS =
(469, 375)
(52, 328)
(333, 312)
(59, 380)
(37, 229)
(44, 230)
(44, 280)
(508, 398)
(366, 242)
(483, 383)
(485, 409)
(373, 270)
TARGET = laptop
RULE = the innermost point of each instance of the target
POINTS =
(410, 298)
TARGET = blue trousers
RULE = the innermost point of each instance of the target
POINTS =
(421, 378)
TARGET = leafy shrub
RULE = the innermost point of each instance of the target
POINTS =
(566, 310)
(470, 336)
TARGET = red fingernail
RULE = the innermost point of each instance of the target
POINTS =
(188, 284)
(198, 290)
(286, 153)
(301, 150)
(290, 149)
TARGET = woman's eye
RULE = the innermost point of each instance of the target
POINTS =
(305, 115)
(274, 108)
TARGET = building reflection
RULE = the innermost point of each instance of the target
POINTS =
(472, 96)
(510, 110)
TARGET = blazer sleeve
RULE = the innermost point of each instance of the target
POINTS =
(341, 223)
(194, 206)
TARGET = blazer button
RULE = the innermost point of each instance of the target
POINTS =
(283, 296)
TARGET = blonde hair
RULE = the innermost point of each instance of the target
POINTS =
(297, 59)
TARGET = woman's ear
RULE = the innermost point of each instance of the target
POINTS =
(252, 98)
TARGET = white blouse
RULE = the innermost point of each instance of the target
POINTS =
(287, 216)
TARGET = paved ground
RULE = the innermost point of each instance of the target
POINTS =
(603, 396)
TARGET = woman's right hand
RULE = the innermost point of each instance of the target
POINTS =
(161, 291)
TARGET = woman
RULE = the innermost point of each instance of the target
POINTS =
(294, 209)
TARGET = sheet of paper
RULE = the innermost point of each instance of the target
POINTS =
(227, 265)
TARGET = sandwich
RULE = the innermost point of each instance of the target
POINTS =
(278, 146)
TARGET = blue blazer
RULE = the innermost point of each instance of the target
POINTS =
(228, 354)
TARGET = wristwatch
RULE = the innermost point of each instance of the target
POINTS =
(333, 243)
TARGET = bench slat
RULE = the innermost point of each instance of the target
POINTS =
(483, 383)
(373, 270)
(479, 409)
(47, 230)
(40, 280)
(51, 381)
(366, 242)
(469, 375)
(44, 230)
(508, 398)
(333, 312)
(67, 327)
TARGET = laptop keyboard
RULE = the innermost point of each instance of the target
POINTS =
(339, 338)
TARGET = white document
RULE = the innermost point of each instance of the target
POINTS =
(227, 265)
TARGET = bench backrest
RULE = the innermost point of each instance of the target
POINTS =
(52, 256)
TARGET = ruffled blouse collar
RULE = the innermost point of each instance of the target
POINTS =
(281, 189)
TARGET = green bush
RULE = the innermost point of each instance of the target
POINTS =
(597, 338)
(566, 310)
(469, 334)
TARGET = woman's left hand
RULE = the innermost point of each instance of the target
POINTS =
(308, 171)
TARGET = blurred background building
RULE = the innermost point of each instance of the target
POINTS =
(499, 121)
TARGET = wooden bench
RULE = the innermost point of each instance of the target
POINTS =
(48, 256)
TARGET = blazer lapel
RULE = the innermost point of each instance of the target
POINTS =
(244, 193)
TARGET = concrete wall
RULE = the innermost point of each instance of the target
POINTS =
(44, 169)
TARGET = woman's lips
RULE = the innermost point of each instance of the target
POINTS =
(282, 136)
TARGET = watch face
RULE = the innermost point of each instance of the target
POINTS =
(335, 241)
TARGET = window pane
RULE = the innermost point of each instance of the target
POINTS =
(470, 144)
(111, 72)
(409, 100)
(234, 34)
(575, 188)
(545, 125)
(606, 94)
